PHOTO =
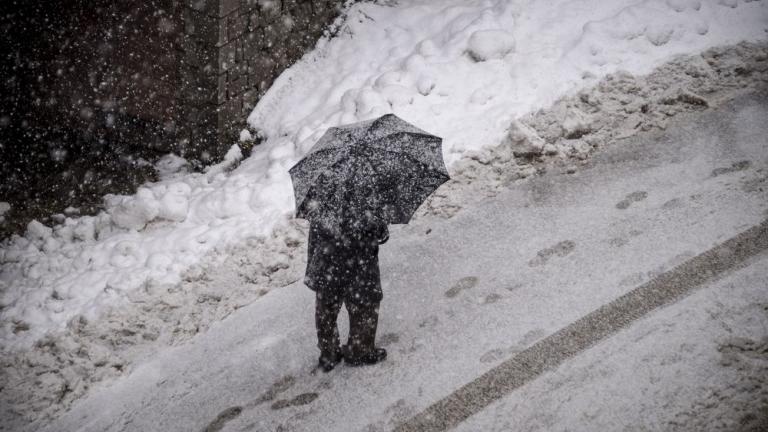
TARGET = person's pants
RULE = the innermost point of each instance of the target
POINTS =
(363, 320)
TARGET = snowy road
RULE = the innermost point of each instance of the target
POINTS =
(464, 295)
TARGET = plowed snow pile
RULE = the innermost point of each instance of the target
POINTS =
(83, 300)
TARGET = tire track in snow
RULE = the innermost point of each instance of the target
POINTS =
(582, 334)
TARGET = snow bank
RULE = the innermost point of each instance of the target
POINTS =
(421, 61)
(463, 70)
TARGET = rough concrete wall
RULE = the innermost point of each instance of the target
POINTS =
(197, 73)
(88, 88)
(74, 61)
(233, 51)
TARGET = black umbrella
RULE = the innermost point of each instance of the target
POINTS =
(383, 168)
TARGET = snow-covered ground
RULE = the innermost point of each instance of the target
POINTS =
(92, 298)
(464, 294)
(464, 70)
(700, 365)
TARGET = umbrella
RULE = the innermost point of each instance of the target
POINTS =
(383, 168)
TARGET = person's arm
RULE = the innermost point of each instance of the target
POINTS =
(383, 233)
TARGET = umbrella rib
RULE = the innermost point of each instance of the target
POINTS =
(306, 157)
(412, 158)
(319, 174)
(334, 185)
(415, 135)
(371, 164)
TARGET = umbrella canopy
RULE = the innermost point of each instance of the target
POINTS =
(383, 168)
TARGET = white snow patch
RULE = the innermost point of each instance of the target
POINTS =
(490, 44)
(523, 139)
(170, 165)
(231, 158)
(245, 135)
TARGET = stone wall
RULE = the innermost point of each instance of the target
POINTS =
(92, 91)
(232, 52)
(88, 95)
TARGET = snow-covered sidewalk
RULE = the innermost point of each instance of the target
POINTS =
(699, 365)
(462, 295)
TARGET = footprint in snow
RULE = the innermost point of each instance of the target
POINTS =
(461, 285)
(561, 249)
(225, 416)
(279, 386)
(672, 204)
(491, 298)
(618, 241)
(629, 199)
(492, 355)
(389, 339)
(735, 167)
(429, 322)
(302, 399)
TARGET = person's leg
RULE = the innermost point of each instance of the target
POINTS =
(363, 321)
(326, 313)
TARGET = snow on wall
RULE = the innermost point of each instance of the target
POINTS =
(463, 70)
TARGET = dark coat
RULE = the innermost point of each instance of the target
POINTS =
(344, 263)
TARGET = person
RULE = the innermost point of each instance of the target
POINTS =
(343, 268)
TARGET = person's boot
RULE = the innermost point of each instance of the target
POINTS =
(328, 361)
(360, 349)
(362, 359)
